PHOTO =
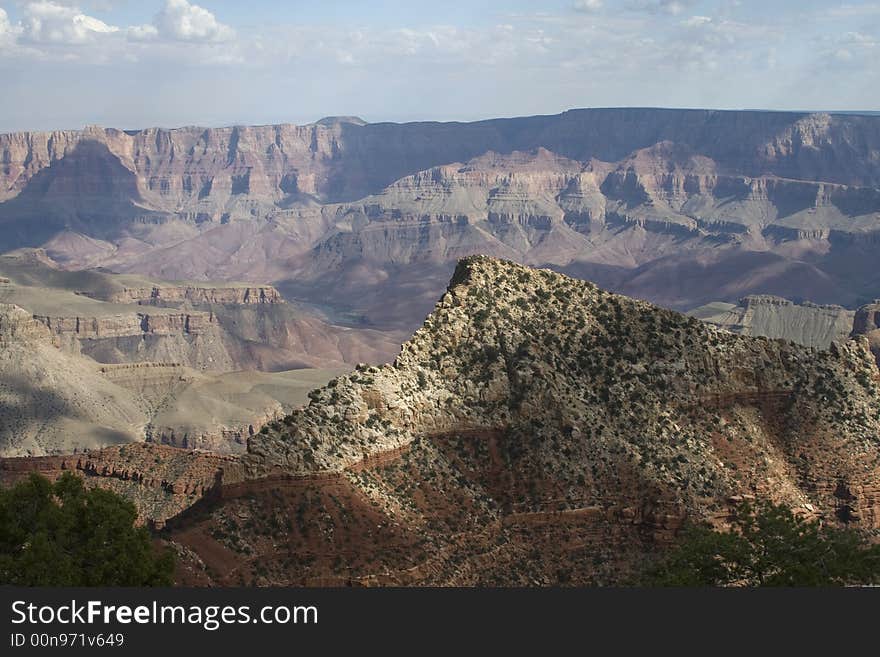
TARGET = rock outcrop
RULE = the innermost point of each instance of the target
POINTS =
(478, 362)
(19, 326)
(867, 324)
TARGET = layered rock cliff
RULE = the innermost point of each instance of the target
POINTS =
(213, 327)
(55, 400)
(806, 323)
(162, 481)
(176, 294)
(51, 401)
(204, 168)
(668, 205)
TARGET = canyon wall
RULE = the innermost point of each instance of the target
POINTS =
(193, 338)
(681, 207)
(197, 170)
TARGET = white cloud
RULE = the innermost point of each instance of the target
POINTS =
(588, 5)
(8, 32)
(50, 22)
(855, 50)
(181, 21)
(142, 32)
(861, 39)
(98, 5)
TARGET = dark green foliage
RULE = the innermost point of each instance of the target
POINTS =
(62, 534)
(768, 546)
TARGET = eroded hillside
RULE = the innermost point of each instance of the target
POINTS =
(536, 430)
(53, 401)
(207, 326)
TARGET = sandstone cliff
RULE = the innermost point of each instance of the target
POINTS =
(174, 294)
(162, 481)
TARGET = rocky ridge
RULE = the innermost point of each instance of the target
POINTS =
(535, 420)
(476, 363)
(537, 430)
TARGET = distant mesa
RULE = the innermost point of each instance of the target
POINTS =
(332, 120)
(806, 323)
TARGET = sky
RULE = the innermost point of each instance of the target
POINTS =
(139, 63)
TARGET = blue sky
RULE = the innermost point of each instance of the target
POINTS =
(136, 63)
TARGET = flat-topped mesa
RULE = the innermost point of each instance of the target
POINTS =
(610, 381)
(195, 294)
(804, 322)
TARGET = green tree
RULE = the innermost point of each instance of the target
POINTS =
(63, 534)
(767, 546)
